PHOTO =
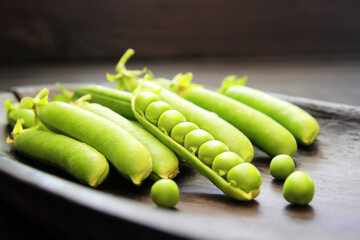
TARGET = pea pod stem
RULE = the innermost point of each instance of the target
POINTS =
(217, 180)
(18, 111)
(219, 128)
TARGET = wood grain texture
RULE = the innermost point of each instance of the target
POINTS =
(203, 211)
(48, 30)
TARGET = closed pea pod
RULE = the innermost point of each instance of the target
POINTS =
(164, 161)
(116, 100)
(127, 154)
(75, 158)
(300, 123)
(216, 179)
(265, 132)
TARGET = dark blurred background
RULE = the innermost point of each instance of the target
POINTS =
(302, 48)
(66, 30)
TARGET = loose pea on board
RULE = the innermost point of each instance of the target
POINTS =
(165, 193)
(299, 188)
(239, 191)
(225, 161)
(126, 153)
(300, 123)
(164, 161)
(74, 157)
(281, 166)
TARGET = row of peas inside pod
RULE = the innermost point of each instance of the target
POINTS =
(210, 157)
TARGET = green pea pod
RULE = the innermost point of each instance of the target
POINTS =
(165, 162)
(75, 158)
(300, 123)
(262, 130)
(116, 100)
(220, 129)
(127, 154)
(229, 188)
(15, 112)
(206, 120)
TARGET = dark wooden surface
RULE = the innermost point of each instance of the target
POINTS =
(53, 30)
(203, 211)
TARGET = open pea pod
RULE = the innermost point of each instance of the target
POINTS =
(162, 131)
(222, 130)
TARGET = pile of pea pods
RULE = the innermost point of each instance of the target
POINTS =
(153, 125)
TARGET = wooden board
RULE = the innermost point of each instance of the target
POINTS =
(70, 209)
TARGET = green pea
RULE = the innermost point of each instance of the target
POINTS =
(281, 166)
(169, 119)
(298, 188)
(194, 139)
(244, 176)
(225, 161)
(143, 100)
(165, 193)
(154, 111)
(180, 130)
(209, 150)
